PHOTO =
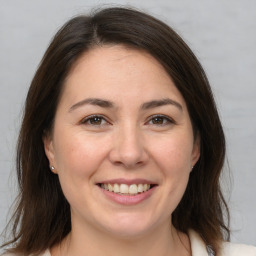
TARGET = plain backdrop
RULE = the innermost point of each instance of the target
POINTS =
(222, 33)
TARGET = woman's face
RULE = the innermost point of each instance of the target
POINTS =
(122, 125)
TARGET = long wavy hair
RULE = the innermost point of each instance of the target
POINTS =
(42, 215)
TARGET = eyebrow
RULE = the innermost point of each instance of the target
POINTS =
(92, 101)
(159, 103)
(108, 104)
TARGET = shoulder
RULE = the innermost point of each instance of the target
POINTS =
(199, 247)
(231, 249)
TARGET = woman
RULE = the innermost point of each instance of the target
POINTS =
(121, 147)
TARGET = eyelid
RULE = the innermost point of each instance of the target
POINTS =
(87, 118)
(168, 118)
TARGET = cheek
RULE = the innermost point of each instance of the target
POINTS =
(173, 158)
(173, 154)
(79, 155)
(78, 158)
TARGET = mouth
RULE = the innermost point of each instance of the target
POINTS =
(126, 189)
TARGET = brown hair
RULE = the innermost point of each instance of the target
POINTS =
(42, 216)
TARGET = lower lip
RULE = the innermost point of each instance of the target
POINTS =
(128, 200)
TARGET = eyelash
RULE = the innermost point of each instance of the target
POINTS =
(167, 120)
(88, 120)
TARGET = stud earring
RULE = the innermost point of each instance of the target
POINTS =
(52, 168)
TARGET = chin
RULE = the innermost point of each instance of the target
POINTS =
(129, 227)
(130, 233)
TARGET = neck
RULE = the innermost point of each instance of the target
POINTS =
(163, 241)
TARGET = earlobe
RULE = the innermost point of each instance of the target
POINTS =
(49, 151)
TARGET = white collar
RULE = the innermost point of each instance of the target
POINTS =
(198, 246)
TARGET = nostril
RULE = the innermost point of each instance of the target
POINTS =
(128, 163)
(118, 163)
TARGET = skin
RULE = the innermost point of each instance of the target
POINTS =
(125, 141)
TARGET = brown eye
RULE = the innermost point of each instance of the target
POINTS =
(94, 120)
(160, 120)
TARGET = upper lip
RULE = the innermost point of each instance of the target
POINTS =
(127, 181)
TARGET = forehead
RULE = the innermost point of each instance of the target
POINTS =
(112, 55)
(112, 71)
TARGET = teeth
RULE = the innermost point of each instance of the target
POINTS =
(133, 189)
(140, 188)
(116, 188)
(110, 187)
(124, 189)
(146, 187)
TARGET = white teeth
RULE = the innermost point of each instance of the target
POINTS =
(110, 187)
(124, 189)
(116, 188)
(133, 189)
(140, 188)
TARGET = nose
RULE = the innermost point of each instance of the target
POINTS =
(128, 149)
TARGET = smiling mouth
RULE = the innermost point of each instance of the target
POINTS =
(126, 190)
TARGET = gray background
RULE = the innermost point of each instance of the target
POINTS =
(222, 33)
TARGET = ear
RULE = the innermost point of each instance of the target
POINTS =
(196, 150)
(49, 150)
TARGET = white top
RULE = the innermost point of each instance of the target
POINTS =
(199, 248)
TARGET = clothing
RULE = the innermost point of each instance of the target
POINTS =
(199, 248)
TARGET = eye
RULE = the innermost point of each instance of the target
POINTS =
(94, 120)
(160, 120)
